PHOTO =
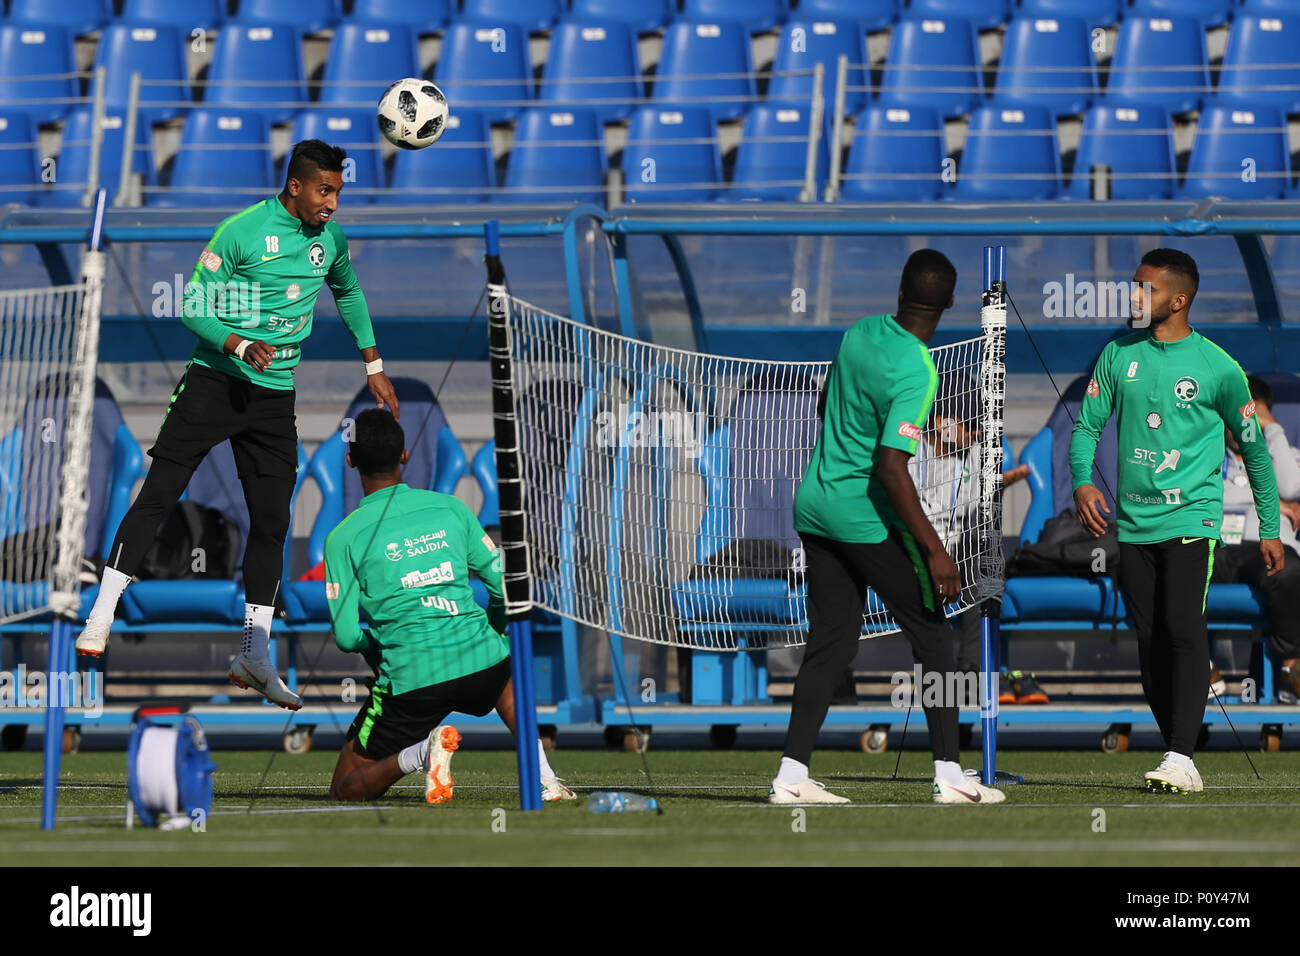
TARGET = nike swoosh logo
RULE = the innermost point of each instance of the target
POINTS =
(266, 258)
(1190, 540)
(972, 797)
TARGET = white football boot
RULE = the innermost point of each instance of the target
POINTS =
(93, 639)
(969, 790)
(553, 789)
(810, 791)
(252, 673)
(444, 741)
(1170, 777)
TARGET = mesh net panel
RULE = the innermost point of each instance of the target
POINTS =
(46, 395)
(658, 484)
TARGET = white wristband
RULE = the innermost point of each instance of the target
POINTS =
(241, 348)
(375, 367)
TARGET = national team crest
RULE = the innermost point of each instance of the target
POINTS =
(1186, 388)
(316, 255)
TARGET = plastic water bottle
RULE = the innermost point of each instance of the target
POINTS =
(616, 801)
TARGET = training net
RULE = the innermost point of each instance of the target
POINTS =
(48, 340)
(658, 484)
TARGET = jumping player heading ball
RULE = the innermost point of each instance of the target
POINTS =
(238, 385)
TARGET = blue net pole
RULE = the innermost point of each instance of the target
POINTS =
(514, 546)
(993, 390)
(60, 664)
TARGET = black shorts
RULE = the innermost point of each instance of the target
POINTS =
(390, 722)
(209, 407)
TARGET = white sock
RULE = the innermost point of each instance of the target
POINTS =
(543, 765)
(949, 770)
(1180, 760)
(413, 757)
(110, 592)
(792, 772)
(257, 630)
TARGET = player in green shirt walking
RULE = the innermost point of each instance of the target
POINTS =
(250, 302)
(1172, 391)
(863, 528)
(404, 556)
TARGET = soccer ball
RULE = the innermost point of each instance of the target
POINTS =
(412, 113)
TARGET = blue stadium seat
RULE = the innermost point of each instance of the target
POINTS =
(307, 16)
(258, 64)
(422, 16)
(158, 54)
(1159, 62)
(486, 68)
(985, 14)
(354, 130)
(460, 170)
(804, 44)
(437, 463)
(1261, 68)
(1010, 153)
(558, 156)
(365, 59)
(1136, 143)
(25, 461)
(869, 15)
(643, 16)
(773, 154)
(671, 155)
(757, 16)
(196, 15)
(77, 16)
(895, 154)
(73, 168)
(483, 467)
(1226, 139)
(20, 160)
(1033, 45)
(224, 160)
(704, 51)
(1265, 8)
(921, 69)
(593, 66)
(207, 600)
(30, 57)
(531, 15)
(1095, 13)
(1211, 13)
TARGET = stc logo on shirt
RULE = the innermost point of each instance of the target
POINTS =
(1168, 460)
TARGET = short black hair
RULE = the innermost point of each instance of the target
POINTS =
(377, 443)
(1260, 391)
(1177, 262)
(928, 279)
(313, 154)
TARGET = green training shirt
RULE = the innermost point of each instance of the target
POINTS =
(878, 393)
(404, 557)
(1172, 400)
(258, 277)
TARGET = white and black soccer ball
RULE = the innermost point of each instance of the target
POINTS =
(412, 113)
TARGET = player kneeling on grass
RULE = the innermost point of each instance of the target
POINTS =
(404, 556)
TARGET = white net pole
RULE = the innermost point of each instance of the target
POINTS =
(659, 483)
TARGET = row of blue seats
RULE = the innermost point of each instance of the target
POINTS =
(437, 461)
(673, 155)
(932, 64)
(558, 156)
(428, 16)
(897, 154)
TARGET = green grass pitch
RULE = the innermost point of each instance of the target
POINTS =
(715, 812)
